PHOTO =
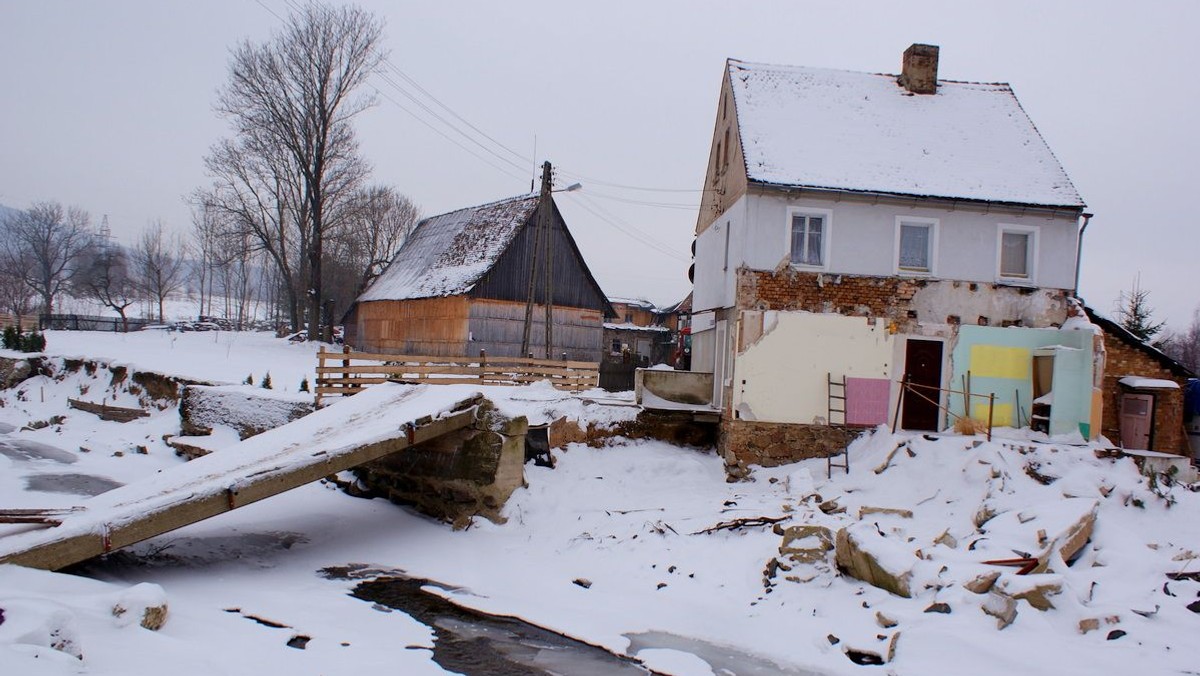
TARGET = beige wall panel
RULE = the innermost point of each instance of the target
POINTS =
(781, 372)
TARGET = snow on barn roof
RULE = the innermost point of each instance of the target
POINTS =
(447, 254)
(843, 130)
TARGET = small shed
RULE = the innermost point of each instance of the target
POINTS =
(1143, 392)
(462, 281)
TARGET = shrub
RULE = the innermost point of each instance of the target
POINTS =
(304, 385)
(266, 381)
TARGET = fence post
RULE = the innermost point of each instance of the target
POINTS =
(483, 367)
(991, 406)
(317, 381)
(899, 402)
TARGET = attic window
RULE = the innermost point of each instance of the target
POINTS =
(725, 157)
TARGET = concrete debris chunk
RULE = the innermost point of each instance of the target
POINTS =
(903, 513)
(865, 554)
(1002, 607)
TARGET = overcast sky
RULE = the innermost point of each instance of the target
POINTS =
(108, 106)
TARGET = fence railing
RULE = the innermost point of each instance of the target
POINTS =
(91, 323)
(348, 372)
(932, 395)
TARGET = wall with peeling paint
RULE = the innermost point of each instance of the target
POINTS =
(781, 372)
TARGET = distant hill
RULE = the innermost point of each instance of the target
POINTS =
(6, 212)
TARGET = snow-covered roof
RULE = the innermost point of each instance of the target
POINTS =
(447, 254)
(611, 326)
(843, 130)
(1139, 383)
(632, 302)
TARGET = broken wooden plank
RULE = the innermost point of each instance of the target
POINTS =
(106, 412)
(250, 485)
(51, 517)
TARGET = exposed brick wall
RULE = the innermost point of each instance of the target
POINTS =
(1122, 359)
(906, 301)
(746, 442)
(789, 289)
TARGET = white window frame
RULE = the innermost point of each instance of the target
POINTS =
(1029, 279)
(826, 236)
(934, 225)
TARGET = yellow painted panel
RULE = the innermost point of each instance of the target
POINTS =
(994, 361)
(1002, 414)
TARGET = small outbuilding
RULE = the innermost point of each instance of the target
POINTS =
(1143, 392)
(463, 282)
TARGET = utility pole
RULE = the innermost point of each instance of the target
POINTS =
(543, 210)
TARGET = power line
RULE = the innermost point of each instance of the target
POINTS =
(595, 210)
(448, 138)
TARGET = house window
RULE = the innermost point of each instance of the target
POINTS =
(916, 245)
(1017, 252)
(725, 155)
(616, 346)
(809, 238)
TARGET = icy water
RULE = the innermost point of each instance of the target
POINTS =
(475, 643)
(25, 450)
(74, 484)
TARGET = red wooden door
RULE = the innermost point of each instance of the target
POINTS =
(923, 369)
(1137, 419)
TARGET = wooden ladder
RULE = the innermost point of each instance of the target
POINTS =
(836, 389)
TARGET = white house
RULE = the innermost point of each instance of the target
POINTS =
(862, 229)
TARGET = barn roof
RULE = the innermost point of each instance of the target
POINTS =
(850, 131)
(446, 255)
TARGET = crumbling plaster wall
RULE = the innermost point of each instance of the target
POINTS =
(913, 306)
(785, 358)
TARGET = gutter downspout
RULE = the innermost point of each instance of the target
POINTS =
(1079, 251)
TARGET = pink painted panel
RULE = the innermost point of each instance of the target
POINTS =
(867, 400)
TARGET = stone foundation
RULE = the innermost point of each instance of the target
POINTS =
(744, 443)
(455, 477)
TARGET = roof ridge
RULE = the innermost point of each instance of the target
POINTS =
(792, 66)
(481, 206)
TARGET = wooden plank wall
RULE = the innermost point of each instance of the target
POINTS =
(497, 327)
(348, 372)
(427, 326)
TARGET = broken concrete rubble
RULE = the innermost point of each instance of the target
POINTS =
(864, 554)
(1002, 607)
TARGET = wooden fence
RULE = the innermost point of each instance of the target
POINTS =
(345, 373)
(27, 322)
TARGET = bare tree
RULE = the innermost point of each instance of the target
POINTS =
(43, 245)
(381, 221)
(1184, 346)
(365, 240)
(256, 192)
(108, 279)
(159, 262)
(295, 95)
(16, 296)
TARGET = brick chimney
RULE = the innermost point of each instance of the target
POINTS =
(919, 74)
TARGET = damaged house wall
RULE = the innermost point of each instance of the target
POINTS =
(1000, 360)
(777, 380)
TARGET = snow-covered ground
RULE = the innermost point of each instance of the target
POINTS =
(626, 518)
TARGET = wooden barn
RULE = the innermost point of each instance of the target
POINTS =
(462, 282)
